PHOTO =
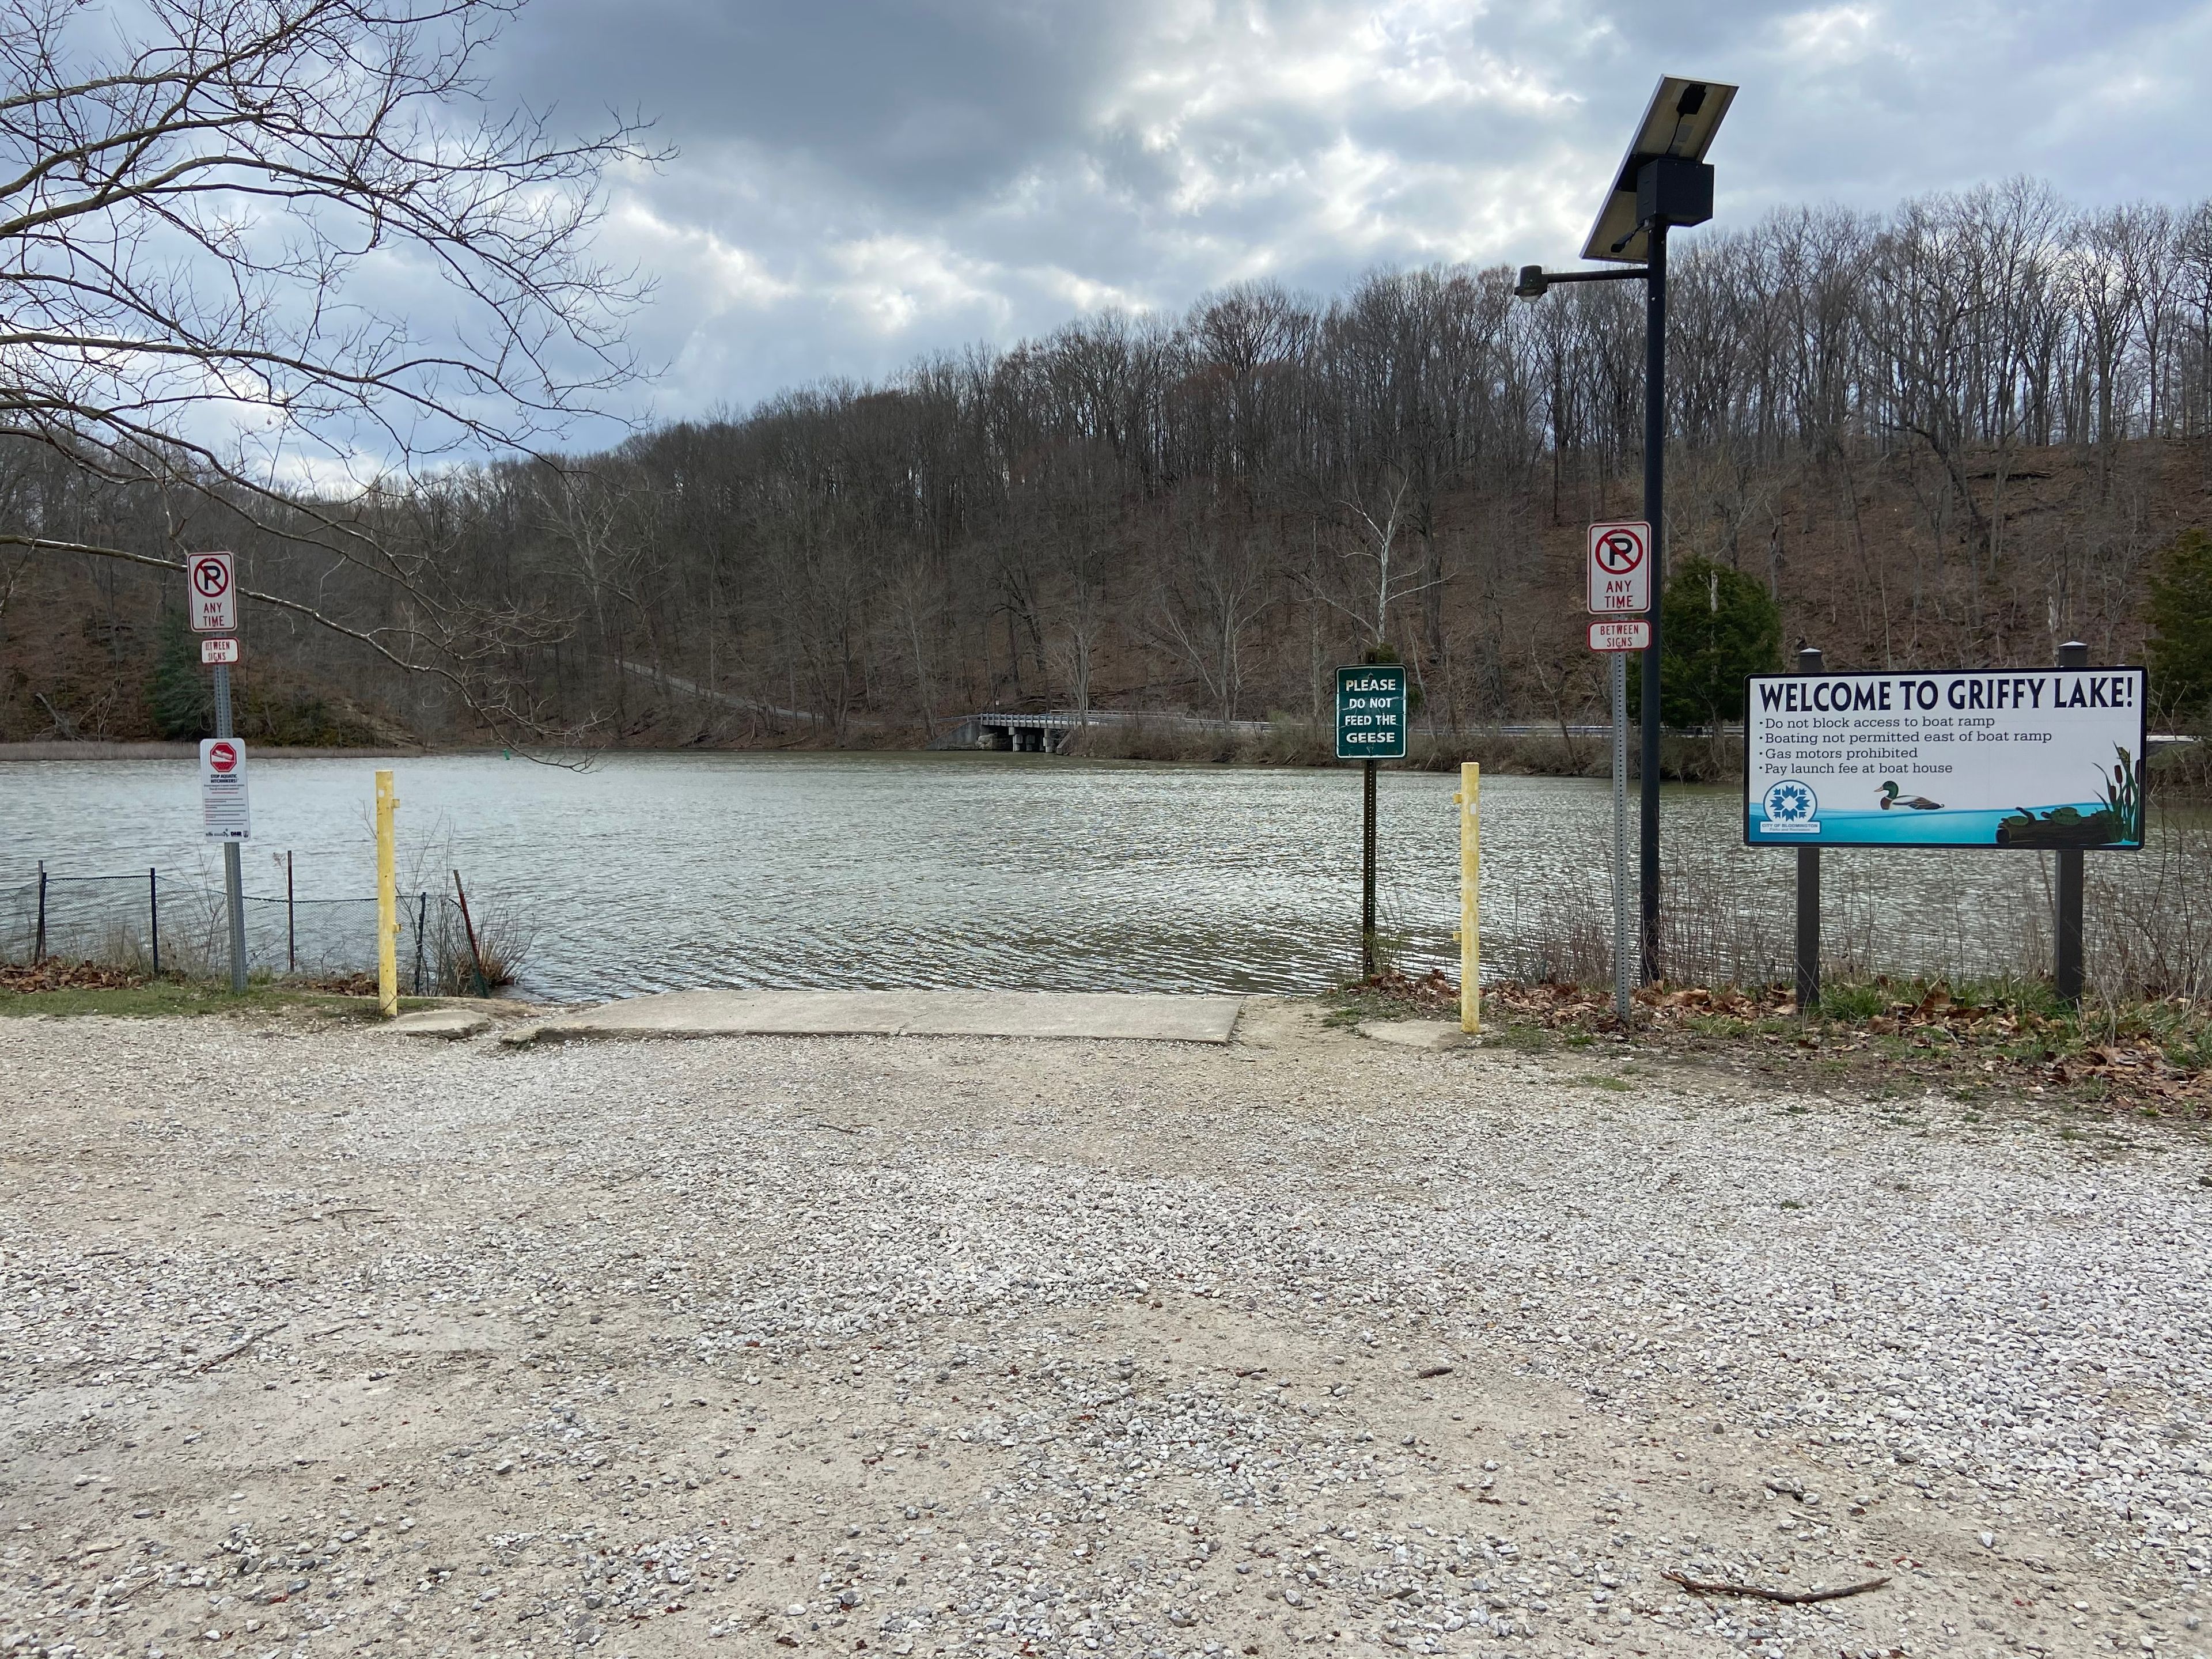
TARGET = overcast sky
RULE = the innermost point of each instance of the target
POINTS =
(861, 181)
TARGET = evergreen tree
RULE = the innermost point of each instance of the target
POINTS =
(2179, 612)
(182, 701)
(1717, 625)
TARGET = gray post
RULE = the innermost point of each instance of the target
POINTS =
(1654, 513)
(1622, 971)
(1368, 966)
(233, 882)
(2066, 924)
(153, 915)
(39, 950)
(1808, 889)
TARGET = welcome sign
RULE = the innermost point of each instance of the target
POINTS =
(2015, 758)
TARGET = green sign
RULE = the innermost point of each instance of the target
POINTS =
(1370, 712)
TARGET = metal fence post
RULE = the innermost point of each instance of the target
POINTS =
(1809, 661)
(2066, 924)
(291, 920)
(421, 918)
(39, 950)
(153, 914)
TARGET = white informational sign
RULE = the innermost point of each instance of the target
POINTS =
(1620, 635)
(222, 789)
(1619, 569)
(215, 650)
(2030, 757)
(211, 593)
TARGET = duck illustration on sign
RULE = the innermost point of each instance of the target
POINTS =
(1919, 803)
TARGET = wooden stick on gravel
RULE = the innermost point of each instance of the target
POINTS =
(237, 1348)
(1793, 1598)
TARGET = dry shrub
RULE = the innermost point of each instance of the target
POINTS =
(503, 943)
(1727, 918)
(2150, 933)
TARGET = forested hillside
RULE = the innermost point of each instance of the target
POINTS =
(1954, 434)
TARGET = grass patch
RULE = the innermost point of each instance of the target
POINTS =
(1980, 1042)
(170, 998)
(1393, 995)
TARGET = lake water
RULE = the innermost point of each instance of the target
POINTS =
(657, 871)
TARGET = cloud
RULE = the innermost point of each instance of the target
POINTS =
(862, 181)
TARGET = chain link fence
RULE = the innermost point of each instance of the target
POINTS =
(160, 922)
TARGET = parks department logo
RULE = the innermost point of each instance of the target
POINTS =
(1792, 809)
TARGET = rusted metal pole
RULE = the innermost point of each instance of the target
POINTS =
(476, 957)
(1369, 966)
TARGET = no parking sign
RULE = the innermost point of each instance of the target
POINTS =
(1620, 567)
(211, 593)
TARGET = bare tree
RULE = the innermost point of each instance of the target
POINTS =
(196, 222)
(1210, 599)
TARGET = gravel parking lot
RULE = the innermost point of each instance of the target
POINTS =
(313, 1341)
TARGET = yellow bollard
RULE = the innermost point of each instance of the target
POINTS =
(1469, 801)
(388, 903)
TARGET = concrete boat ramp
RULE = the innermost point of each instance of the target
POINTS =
(1123, 1016)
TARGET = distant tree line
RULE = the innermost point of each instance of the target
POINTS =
(1954, 433)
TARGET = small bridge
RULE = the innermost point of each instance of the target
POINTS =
(1048, 734)
(1041, 734)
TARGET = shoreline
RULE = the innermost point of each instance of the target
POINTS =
(153, 749)
(1502, 754)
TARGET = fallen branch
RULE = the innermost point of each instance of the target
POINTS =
(1792, 1598)
(237, 1348)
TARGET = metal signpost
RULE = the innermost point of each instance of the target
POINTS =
(1663, 181)
(1371, 727)
(211, 595)
(1618, 580)
(2036, 759)
(1809, 661)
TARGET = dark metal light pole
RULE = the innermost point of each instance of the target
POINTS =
(1655, 514)
(1664, 181)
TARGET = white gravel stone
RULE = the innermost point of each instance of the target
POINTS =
(983, 1347)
